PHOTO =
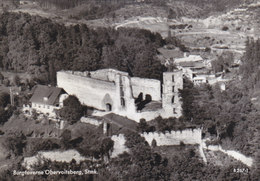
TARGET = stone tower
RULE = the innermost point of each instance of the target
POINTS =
(172, 82)
(124, 98)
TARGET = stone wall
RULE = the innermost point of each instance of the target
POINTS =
(106, 74)
(59, 156)
(235, 154)
(150, 87)
(92, 121)
(45, 109)
(91, 92)
(119, 145)
(188, 136)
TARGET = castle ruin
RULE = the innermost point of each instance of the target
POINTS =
(133, 97)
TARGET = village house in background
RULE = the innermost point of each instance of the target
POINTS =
(194, 67)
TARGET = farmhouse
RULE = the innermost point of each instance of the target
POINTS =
(46, 100)
(109, 90)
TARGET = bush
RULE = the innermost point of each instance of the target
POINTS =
(143, 126)
(1, 78)
(1, 132)
(42, 145)
(225, 28)
(154, 143)
(182, 144)
(6, 82)
(15, 144)
(34, 114)
(65, 138)
(4, 99)
(16, 80)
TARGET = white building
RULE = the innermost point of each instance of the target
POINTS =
(46, 100)
(190, 58)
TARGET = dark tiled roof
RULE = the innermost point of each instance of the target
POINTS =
(41, 92)
(192, 64)
(172, 53)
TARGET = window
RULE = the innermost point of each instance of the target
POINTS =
(172, 88)
(172, 78)
(108, 107)
(172, 99)
(174, 111)
(48, 107)
(123, 102)
(121, 91)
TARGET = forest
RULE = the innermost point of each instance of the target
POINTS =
(41, 47)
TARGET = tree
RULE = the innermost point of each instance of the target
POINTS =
(4, 99)
(154, 143)
(142, 163)
(143, 126)
(16, 80)
(106, 146)
(187, 97)
(34, 114)
(65, 138)
(6, 82)
(223, 62)
(72, 110)
(1, 78)
(225, 28)
(15, 144)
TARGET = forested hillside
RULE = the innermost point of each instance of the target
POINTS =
(95, 9)
(230, 115)
(250, 69)
(40, 47)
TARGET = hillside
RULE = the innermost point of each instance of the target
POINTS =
(42, 47)
(157, 16)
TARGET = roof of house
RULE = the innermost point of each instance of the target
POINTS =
(170, 53)
(45, 94)
(191, 64)
(190, 58)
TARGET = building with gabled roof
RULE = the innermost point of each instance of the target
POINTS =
(46, 99)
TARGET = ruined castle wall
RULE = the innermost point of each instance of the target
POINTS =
(172, 82)
(146, 86)
(187, 136)
(90, 91)
(106, 74)
(119, 145)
